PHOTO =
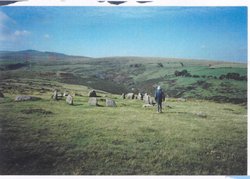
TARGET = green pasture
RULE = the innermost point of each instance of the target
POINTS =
(190, 138)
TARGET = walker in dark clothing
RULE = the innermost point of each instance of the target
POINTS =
(159, 97)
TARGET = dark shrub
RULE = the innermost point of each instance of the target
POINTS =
(160, 65)
(222, 77)
(233, 76)
(182, 73)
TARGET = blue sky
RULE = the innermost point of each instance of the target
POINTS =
(238, 177)
(216, 33)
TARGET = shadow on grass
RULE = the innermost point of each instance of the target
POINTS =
(23, 153)
(77, 105)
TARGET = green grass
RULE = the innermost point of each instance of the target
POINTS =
(193, 137)
(128, 139)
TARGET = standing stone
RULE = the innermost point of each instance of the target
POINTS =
(146, 98)
(59, 95)
(93, 101)
(149, 99)
(1, 95)
(123, 96)
(69, 100)
(26, 98)
(22, 98)
(92, 93)
(181, 99)
(54, 96)
(140, 96)
(201, 114)
(65, 93)
(152, 100)
(110, 103)
(130, 96)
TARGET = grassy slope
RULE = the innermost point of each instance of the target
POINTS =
(50, 137)
(120, 74)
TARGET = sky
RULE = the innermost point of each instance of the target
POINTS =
(212, 33)
(238, 177)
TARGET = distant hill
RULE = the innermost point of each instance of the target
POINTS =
(33, 55)
(180, 78)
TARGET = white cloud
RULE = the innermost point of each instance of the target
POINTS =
(7, 33)
(3, 20)
(13, 36)
(21, 33)
(3, 17)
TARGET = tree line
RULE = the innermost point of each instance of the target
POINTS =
(233, 76)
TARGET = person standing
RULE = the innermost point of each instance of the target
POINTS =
(159, 97)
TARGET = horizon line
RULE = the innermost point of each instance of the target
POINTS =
(134, 56)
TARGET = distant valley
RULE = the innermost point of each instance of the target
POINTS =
(180, 78)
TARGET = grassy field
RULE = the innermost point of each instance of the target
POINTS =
(189, 138)
(202, 130)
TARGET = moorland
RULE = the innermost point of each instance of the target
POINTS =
(202, 130)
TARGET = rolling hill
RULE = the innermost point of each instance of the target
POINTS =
(211, 80)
